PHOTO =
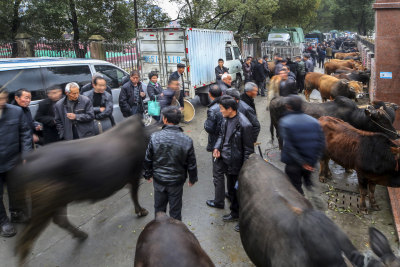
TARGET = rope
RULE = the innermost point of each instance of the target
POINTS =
(393, 132)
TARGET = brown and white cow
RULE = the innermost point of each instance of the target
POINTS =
(373, 156)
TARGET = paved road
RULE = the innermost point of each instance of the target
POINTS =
(113, 228)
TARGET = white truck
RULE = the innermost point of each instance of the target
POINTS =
(160, 50)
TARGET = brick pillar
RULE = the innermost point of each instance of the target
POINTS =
(387, 55)
(97, 49)
(24, 45)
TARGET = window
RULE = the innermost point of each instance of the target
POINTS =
(112, 75)
(228, 53)
(236, 52)
(60, 76)
(30, 79)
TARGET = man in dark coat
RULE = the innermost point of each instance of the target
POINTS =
(303, 143)
(22, 99)
(250, 93)
(131, 96)
(170, 157)
(308, 64)
(247, 111)
(233, 147)
(178, 75)
(45, 115)
(226, 82)
(220, 70)
(301, 73)
(103, 105)
(74, 114)
(247, 70)
(260, 75)
(212, 125)
(168, 97)
(287, 86)
(15, 138)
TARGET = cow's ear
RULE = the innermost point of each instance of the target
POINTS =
(382, 108)
(379, 243)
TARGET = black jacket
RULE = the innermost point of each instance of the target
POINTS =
(219, 71)
(212, 125)
(292, 67)
(127, 100)
(87, 87)
(241, 143)
(249, 101)
(259, 73)
(16, 137)
(247, 71)
(45, 115)
(106, 101)
(170, 157)
(153, 90)
(28, 116)
(288, 87)
(176, 75)
(252, 117)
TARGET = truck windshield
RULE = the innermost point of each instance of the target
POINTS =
(228, 53)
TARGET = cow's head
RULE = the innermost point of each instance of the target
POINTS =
(382, 121)
(357, 87)
(381, 247)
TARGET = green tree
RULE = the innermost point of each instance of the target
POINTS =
(11, 17)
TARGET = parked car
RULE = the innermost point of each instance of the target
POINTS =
(39, 74)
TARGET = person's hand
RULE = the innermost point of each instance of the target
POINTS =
(142, 94)
(216, 153)
(102, 109)
(71, 116)
(38, 127)
(308, 167)
(162, 94)
(35, 138)
(190, 184)
(181, 108)
(150, 180)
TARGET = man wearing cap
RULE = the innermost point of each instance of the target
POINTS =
(179, 76)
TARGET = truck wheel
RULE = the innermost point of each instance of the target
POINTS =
(204, 99)
(238, 82)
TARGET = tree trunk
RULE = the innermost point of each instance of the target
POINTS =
(136, 14)
(80, 53)
(14, 27)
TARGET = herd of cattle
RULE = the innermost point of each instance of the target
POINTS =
(278, 226)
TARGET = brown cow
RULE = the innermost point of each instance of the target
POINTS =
(166, 242)
(344, 55)
(332, 67)
(374, 156)
(330, 87)
(311, 82)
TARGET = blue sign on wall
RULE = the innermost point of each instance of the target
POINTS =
(386, 75)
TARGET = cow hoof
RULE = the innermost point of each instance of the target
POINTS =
(82, 236)
(375, 207)
(142, 213)
(322, 179)
(364, 211)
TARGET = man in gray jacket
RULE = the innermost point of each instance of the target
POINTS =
(74, 114)
(16, 138)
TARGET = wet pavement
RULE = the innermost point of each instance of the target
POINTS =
(114, 228)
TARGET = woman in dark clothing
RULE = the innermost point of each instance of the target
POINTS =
(321, 56)
(154, 90)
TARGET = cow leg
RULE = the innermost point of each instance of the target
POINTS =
(141, 212)
(307, 93)
(372, 201)
(324, 172)
(61, 219)
(363, 186)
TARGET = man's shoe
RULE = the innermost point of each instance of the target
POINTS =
(212, 204)
(230, 218)
(7, 229)
(18, 217)
(237, 228)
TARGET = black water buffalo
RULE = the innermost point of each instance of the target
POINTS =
(374, 156)
(167, 242)
(279, 227)
(368, 119)
(359, 76)
(83, 170)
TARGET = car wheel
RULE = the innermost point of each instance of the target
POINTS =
(204, 99)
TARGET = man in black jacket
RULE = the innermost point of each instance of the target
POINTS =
(45, 115)
(220, 70)
(178, 75)
(250, 93)
(233, 147)
(287, 86)
(15, 138)
(212, 125)
(247, 111)
(131, 96)
(169, 159)
(260, 75)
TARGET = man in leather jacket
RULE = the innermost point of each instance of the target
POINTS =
(212, 125)
(169, 159)
(233, 147)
